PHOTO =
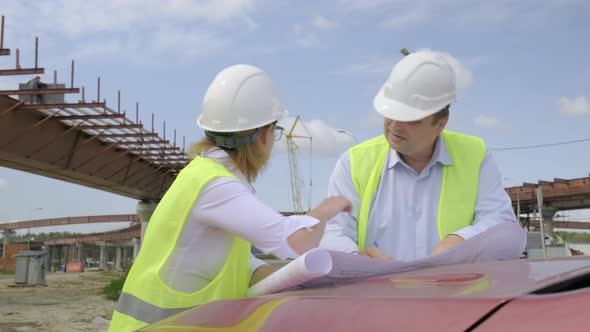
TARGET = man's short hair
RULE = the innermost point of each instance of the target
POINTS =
(442, 114)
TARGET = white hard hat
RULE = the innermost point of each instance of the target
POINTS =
(241, 97)
(420, 85)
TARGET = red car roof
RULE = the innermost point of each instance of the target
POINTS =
(448, 298)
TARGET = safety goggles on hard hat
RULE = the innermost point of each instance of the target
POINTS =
(231, 141)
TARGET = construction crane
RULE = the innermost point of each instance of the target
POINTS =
(296, 180)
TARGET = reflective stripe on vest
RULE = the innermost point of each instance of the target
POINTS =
(144, 311)
(144, 293)
(458, 188)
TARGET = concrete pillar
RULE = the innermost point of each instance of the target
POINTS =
(118, 260)
(135, 248)
(103, 257)
(548, 213)
(79, 257)
(49, 264)
(66, 251)
(125, 266)
(144, 212)
(5, 241)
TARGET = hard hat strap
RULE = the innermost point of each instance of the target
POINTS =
(230, 140)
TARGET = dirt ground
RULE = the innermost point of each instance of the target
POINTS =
(69, 302)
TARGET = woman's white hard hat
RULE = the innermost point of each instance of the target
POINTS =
(241, 97)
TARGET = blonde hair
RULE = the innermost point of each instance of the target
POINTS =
(250, 158)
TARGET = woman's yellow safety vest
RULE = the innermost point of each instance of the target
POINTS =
(145, 298)
(459, 181)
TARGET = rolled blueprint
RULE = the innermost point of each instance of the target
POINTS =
(311, 265)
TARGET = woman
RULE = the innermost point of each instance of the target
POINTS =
(197, 246)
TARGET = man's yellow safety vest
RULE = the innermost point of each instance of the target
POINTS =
(459, 181)
(145, 298)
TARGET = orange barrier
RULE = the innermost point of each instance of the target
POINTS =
(75, 267)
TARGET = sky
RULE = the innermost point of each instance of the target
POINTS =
(522, 73)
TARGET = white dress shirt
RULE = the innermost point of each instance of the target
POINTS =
(403, 216)
(226, 208)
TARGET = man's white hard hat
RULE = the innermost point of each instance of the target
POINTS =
(241, 97)
(421, 84)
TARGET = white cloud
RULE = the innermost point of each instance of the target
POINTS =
(463, 12)
(74, 18)
(576, 106)
(413, 15)
(486, 121)
(326, 142)
(192, 41)
(304, 37)
(321, 23)
(464, 75)
(112, 27)
(366, 4)
(307, 36)
(372, 66)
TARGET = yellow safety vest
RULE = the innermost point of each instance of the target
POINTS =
(145, 298)
(459, 181)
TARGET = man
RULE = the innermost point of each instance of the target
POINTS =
(418, 189)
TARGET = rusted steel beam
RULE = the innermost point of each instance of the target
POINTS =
(108, 163)
(146, 142)
(4, 51)
(162, 154)
(110, 236)
(22, 71)
(564, 224)
(66, 105)
(90, 117)
(155, 149)
(150, 175)
(96, 155)
(141, 170)
(570, 191)
(56, 137)
(48, 91)
(69, 153)
(25, 130)
(126, 167)
(172, 158)
(113, 126)
(69, 221)
(73, 150)
(130, 135)
(15, 106)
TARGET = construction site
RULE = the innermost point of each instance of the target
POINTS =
(94, 144)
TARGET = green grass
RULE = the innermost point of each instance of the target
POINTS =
(112, 291)
(4, 272)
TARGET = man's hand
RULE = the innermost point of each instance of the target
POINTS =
(447, 243)
(375, 253)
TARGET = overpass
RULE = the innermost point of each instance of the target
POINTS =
(69, 221)
(556, 195)
(84, 141)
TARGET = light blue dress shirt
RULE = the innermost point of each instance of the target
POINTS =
(403, 217)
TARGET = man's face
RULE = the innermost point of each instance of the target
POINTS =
(413, 139)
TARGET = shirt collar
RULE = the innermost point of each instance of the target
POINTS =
(223, 158)
(440, 154)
